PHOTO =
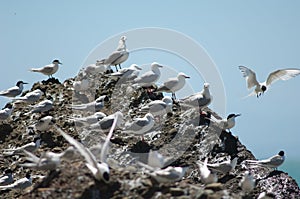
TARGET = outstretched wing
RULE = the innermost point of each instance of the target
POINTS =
(283, 74)
(250, 76)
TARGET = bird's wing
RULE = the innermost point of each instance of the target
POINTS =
(169, 84)
(46, 69)
(275, 160)
(113, 57)
(283, 74)
(104, 150)
(147, 77)
(91, 160)
(250, 76)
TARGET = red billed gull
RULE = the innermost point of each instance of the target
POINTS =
(48, 70)
(149, 78)
(127, 73)
(260, 88)
(104, 125)
(43, 106)
(159, 107)
(198, 100)
(95, 105)
(117, 57)
(173, 84)
(140, 126)
(13, 91)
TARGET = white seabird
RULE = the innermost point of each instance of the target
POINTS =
(42, 106)
(13, 91)
(159, 107)
(44, 123)
(30, 97)
(48, 70)
(224, 167)
(140, 126)
(129, 73)
(247, 183)
(157, 160)
(260, 88)
(105, 123)
(7, 178)
(31, 147)
(6, 112)
(117, 57)
(95, 105)
(22, 183)
(169, 174)
(99, 170)
(198, 100)
(227, 123)
(272, 162)
(206, 176)
(48, 160)
(88, 120)
(173, 84)
(149, 78)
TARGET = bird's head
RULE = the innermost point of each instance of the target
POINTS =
(28, 175)
(19, 83)
(263, 88)
(135, 66)
(281, 153)
(156, 65)
(123, 38)
(56, 61)
(206, 85)
(183, 75)
(232, 115)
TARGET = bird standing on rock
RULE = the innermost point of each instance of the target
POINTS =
(227, 123)
(117, 57)
(48, 70)
(272, 162)
(13, 91)
(173, 84)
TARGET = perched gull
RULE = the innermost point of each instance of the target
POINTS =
(6, 111)
(105, 124)
(173, 84)
(198, 100)
(43, 106)
(206, 176)
(272, 162)
(260, 88)
(48, 160)
(159, 107)
(48, 69)
(96, 105)
(117, 57)
(13, 91)
(96, 68)
(7, 178)
(127, 73)
(91, 119)
(224, 167)
(22, 183)
(99, 170)
(227, 123)
(30, 97)
(31, 147)
(140, 126)
(44, 123)
(149, 78)
(247, 183)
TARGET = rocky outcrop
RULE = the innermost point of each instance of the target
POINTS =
(177, 135)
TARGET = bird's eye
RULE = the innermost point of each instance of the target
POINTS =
(106, 176)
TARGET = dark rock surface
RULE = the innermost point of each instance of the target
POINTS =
(176, 135)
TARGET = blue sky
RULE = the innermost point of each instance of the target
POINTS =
(263, 35)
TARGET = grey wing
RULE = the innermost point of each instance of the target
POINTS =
(250, 76)
(147, 77)
(171, 83)
(113, 57)
(47, 69)
(274, 161)
(284, 74)
(106, 123)
(138, 124)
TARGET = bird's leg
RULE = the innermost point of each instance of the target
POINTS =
(120, 66)
(116, 67)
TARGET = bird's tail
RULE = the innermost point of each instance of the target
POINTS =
(250, 94)
(34, 70)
